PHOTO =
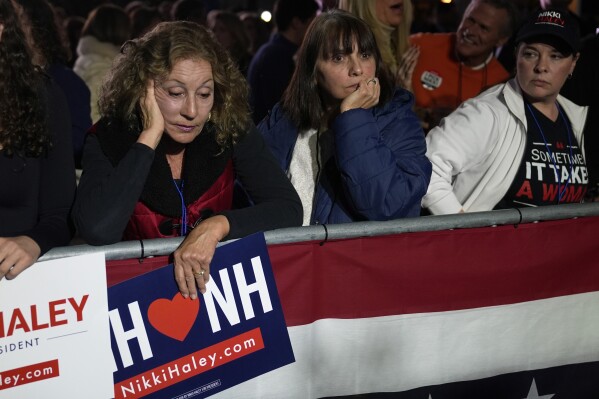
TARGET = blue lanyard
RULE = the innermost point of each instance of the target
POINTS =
(560, 192)
(183, 207)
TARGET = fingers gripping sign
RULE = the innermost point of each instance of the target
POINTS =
(192, 258)
(16, 255)
(192, 265)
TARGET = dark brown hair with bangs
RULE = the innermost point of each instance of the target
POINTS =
(303, 99)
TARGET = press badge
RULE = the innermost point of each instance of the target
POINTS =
(430, 80)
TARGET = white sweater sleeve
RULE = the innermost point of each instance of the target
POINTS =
(458, 149)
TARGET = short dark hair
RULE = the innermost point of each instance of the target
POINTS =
(45, 32)
(143, 19)
(286, 10)
(513, 14)
(108, 23)
(302, 101)
(189, 10)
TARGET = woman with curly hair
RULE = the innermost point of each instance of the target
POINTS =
(175, 133)
(36, 160)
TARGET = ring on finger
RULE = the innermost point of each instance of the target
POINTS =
(199, 274)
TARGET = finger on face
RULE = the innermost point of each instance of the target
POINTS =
(370, 86)
(373, 85)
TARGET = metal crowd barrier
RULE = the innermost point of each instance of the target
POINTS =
(165, 246)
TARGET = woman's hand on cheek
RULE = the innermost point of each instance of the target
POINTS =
(366, 96)
(152, 117)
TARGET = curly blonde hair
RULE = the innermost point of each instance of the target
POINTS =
(153, 56)
(392, 42)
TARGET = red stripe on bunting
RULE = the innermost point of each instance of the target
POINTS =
(425, 272)
(118, 271)
(436, 271)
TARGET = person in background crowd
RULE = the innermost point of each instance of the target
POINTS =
(165, 9)
(453, 67)
(347, 139)
(582, 88)
(73, 25)
(449, 16)
(107, 27)
(36, 156)
(133, 5)
(175, 132)
(425, 17)
(230, 33)
(517, 144)
(144, 19)
(256, 29)
(586, 28)
(189, 10)
(325, 5)
(50, 53)
(390, 20)
(271, 68)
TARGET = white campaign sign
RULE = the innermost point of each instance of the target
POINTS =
(54, 331)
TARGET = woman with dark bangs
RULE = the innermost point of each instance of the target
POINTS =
(348, 141)
(36, 157)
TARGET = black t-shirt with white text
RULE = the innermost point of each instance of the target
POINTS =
(552, 170)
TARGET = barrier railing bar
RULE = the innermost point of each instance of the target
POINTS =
(165, 246)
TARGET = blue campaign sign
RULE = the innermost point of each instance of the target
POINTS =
(165, 346)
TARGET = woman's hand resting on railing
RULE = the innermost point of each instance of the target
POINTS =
(16, 255)
(192, 258)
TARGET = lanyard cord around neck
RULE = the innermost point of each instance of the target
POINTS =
(483, 83)
(183, 208)
(560, 192)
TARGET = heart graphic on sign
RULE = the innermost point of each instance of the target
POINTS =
(174, 318)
